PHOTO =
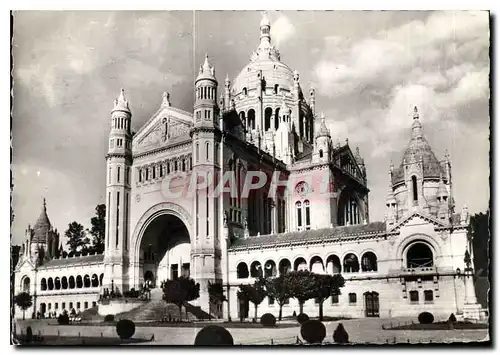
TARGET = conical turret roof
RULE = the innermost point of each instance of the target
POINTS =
(42, 226)
(323, 130)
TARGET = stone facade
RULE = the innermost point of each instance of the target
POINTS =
(166, 219)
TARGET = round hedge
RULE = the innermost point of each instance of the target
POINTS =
(302, 318)
(268, 320)
(125, 328)
(425, 318)
(340, 335)
(63, 319)
(213, 335)
(313, 331)
(109, 318)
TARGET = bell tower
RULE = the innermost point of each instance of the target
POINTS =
(206, 140)
(118, 161)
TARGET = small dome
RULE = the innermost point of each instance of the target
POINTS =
(265, 20)
(121, 104)
(42, 226)
(207, 71)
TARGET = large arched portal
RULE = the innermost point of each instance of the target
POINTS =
(165, 250)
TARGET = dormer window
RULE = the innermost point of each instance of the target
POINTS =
(414, 188)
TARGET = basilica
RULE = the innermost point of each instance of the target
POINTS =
(295, 199)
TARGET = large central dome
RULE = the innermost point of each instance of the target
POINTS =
(266, 60)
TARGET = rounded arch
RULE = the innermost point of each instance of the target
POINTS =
(284, 266)
(242, 270)
(71, 282)
(276, 118)
(57, 283)
(349, 207)
(369, 261)
(405, 243)
(100, 279)
(43, 284)
(350, 263)
(251, 118)
(256, 269)
(64, 283)
(300, 262)
(26, 284)
(164, 208)
(50, 284)
(270, 269)
(268, 114)
(79, 282)
(419, 254)
(95, 280)
(333, 264)
(316, 264)
(86, 281)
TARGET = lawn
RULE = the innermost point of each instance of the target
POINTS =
(439, 326)
(73, 340)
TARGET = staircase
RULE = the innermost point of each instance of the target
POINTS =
(155, 310)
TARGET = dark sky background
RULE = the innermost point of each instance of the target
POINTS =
(369, 69)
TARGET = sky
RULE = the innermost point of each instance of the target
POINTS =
(369, 69)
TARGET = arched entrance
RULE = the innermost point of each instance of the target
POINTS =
(372, 306)
(164, 250)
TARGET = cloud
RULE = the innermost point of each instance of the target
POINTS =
(281, 30)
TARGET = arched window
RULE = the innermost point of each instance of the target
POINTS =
(50, 284)
(197, 152)
(276, 89)
(207, 147)
(43, 284)
(245, 92)
(284, 266)
(321, 153)
(147, 173)
(300, 264)
(256, 269)
(298, 208)
(64, 282)
(243, 118)
(333, 265)
(242, 271)
(118, 174)
(369, 262)
(316, 265)
(270, 269)
(86, 281)
(419, 255)
(308, 215)
(153, 171)
(57, 283)
(71, 282)
(95, 281)
(268, 113)
(79, 283)
(351, 263)
(100, 279)
(414, 188)
(277, 118)
(251, 119)
(26, 284)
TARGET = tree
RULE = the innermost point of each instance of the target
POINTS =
(77, 240)
(24, 301)
(216, 293)
(480, 232)
(180, 290)
(14, 255)
(302, 286)
(326, 286)
(278, 288)
(254, 293)
(98, 229)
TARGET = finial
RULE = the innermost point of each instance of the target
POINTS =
(347, 141)
(265, 20)
(322, 117)
(227, 78)
(295, 75)
(357, 150)
(415, 113)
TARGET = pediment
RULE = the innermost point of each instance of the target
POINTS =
(167, 125)
(24, 264)
(417, 219)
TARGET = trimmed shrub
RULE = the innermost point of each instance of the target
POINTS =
(340, 335)
(313, 331)
(213, 335)
(268, 320)
(29, 335)
(63, 319)
(302, 318)
(452, 318)
(125, 329)
(109, 318)
(294, 315)
(425, 318)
